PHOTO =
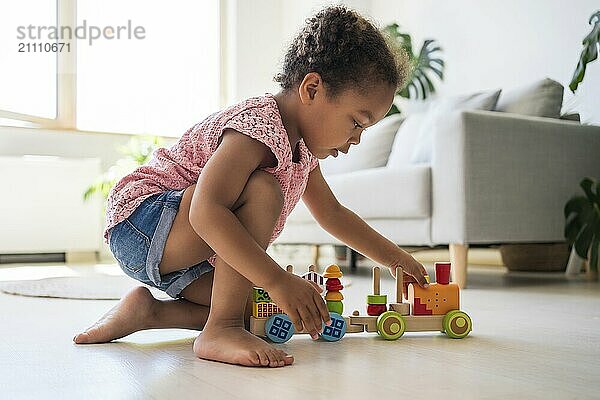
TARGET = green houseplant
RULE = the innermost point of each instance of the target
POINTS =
(591, 43)
(423, 65)
(137, 151)
(582, 228)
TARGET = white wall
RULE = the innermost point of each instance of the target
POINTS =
(503, 44)
(262, 30)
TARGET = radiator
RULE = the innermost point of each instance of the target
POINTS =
(42, 208)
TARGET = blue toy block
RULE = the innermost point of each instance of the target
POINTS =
(336, 330)
(279, 328)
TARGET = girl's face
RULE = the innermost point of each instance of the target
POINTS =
(329, 126)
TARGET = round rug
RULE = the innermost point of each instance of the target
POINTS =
(93, 287)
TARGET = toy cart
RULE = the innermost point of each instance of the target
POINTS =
(436, 308)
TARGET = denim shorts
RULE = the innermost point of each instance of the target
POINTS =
(138, 243)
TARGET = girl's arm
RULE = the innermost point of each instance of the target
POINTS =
(352, 230)
(220, 184)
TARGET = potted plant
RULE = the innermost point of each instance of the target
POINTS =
(137, 151)
(422, 64)
(582, 228)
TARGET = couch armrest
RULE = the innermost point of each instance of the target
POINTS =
(501, 177)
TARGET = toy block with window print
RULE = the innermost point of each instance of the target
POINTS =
(262, 305)
(265, 310)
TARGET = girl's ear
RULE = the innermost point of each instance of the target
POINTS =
(311, 84)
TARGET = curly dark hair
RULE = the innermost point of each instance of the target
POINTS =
(347, 50)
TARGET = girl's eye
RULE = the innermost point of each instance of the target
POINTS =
(357, 125)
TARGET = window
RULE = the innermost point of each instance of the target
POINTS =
(27, 78)
(160, 79)
(161, 84)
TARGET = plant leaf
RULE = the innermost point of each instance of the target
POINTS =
(437, 61)
(439, 72)
(137, 152)
(419, 80)
(572, 229)
(431, 51)
(587, 184)
(591, 43)
(575, 205)
(393, 110)
(419, 85)
(430, 86)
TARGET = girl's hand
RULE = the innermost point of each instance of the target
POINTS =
(301, 301)
(415, 270)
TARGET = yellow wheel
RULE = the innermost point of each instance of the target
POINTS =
(391, 325)
(457, 324)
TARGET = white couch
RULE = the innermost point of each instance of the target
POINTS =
(494, 177)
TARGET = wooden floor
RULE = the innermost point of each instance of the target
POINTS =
(534, 337)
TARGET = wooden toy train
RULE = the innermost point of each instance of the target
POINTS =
(436, 308)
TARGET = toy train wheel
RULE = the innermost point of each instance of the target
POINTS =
(279, 328)
(457, 324)
(336, 330)
(391, 325)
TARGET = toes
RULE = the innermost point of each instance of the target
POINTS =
(81, 338)
(273, 361)
(280, 356)
(93, 334)
(264, 359)
(253, 357)
(287, 358)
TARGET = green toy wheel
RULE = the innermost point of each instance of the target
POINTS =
(457, 324)
(391, 325)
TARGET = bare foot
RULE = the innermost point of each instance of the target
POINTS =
(235, 345)
(131, 314)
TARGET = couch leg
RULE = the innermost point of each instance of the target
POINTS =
(315, 255)
(458, 258)
(351, 257)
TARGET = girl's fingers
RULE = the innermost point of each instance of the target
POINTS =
(308, 322)
(318, 288)
(296, 320)
(316, 316)
(323, 310)
(420, 274)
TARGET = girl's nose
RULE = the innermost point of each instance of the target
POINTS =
(355, 140)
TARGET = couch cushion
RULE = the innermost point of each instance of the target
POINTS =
(439, 108)
(405, 140)
(372, 152)
(379, 193)
(540, 99)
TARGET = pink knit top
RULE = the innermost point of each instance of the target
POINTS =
(179, 166)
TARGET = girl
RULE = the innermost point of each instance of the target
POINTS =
(197, 220)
